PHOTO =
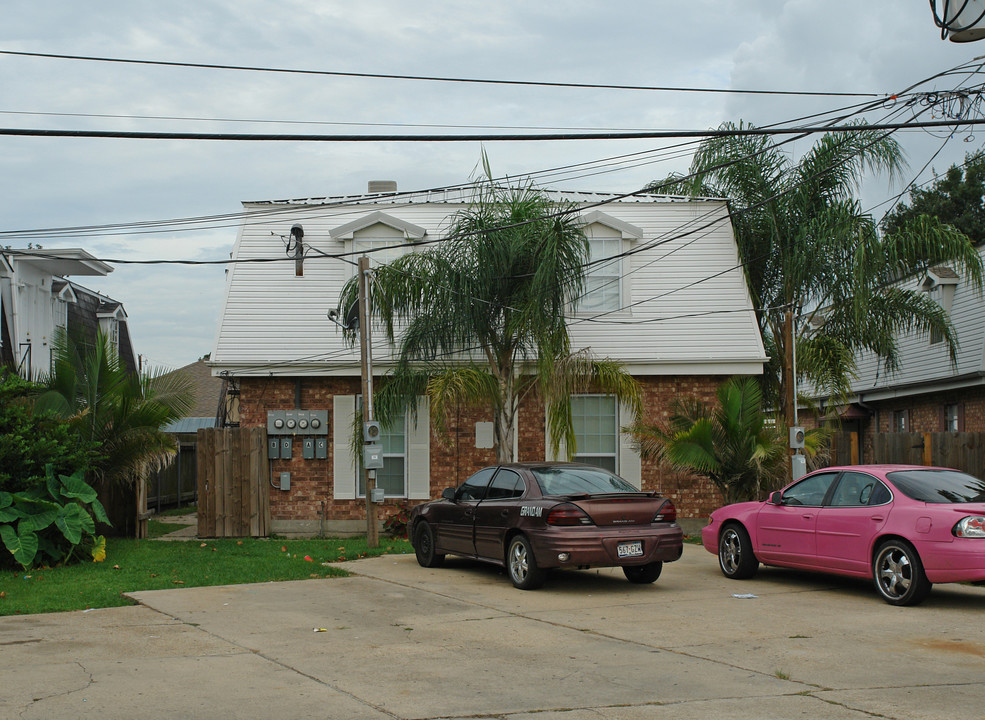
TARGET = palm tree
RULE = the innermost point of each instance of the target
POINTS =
(731, 445)
(810, 252)
(479, 319)
(118, 410)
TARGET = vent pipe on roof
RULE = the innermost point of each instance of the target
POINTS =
(382, 186)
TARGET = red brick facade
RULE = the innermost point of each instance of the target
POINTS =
(453, 457)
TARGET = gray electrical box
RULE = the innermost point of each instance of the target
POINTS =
(273, 448)
(378, 495)
(321, 448)
(308, 448)
(371, 431)
(373, 457)
(286, 449)
(285, 481)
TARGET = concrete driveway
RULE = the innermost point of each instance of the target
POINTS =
(400, 641)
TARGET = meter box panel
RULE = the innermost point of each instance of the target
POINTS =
(292, 422)
(286, 449)
(321, 448)
(308, 448)
(373, 457)
(273, 448)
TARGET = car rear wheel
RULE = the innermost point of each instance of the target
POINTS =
(522, 565)
(735, 555)
(424, 547)
(899, 575)
(643, 574)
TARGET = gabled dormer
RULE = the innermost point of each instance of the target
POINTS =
(607, 286)
(384, 236)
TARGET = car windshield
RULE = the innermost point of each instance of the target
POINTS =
(578, 480)
(938, 486)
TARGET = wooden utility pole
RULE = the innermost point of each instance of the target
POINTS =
(366, 357)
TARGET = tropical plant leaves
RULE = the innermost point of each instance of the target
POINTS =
(22, 544)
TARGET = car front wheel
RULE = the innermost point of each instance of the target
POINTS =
(735, 555)
(522, 565)
(424, 547)
(643, 574)
(899, 575)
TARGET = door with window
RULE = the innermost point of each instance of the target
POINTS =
(786, 532)
(455, 519)
(855, 514)
(492, 515)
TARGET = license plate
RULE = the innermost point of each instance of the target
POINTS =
(629, 549)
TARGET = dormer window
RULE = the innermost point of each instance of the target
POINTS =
(606, 287)
(940, 283)
(382, 237)
(109, 325)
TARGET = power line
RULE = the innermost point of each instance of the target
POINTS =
(432, 78)
(484, 137)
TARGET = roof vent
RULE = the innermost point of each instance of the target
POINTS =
(382, 186)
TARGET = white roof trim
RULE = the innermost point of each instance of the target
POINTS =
(629, 232)
(67, 294)
(410, 230)
(118, 313)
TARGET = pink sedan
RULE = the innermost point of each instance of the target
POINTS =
(904, 526)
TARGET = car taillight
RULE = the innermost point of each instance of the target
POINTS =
(971, 526)
(568, 514)
(667, 513)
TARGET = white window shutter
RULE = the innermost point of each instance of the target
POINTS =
(630, 465)
(343, 466)
(419, 452)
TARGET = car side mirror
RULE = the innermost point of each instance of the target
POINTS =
(448, 494)
(776, 498)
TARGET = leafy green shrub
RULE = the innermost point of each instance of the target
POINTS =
(47, 524)
(29, 441)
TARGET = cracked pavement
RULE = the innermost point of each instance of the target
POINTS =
(400, 641)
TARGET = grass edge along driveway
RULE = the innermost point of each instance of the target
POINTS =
(134, 565)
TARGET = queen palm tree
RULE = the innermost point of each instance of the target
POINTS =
(810, 252)
(480, 319)
(731, 444)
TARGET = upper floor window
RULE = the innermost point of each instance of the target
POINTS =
(382, 237)
(603, 276)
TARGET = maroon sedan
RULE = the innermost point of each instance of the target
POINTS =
(904, 526)
(531, 517)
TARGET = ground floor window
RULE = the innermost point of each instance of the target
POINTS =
(596, 425)
(393, 477)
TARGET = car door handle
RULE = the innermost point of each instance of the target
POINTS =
(808, 517)
(877, 518)
(504, 513)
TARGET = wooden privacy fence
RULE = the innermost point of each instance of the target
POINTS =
(960, 450)
(233, 482)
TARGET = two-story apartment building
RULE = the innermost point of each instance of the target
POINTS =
(671, 305)
(38, 297)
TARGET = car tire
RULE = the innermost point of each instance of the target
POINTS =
(643, 574)
(735, 556)
(424, 546)
(522, 565)
(898, 574)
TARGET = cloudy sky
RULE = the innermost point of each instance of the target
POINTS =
(821, 46)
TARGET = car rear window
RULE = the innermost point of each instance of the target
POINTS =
(938, 486)
(578, 480)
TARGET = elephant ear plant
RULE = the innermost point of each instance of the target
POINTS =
(49, 523)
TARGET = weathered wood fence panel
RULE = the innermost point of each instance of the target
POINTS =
(233, 483)
(960, 450)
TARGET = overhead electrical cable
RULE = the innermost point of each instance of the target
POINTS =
(432, 78)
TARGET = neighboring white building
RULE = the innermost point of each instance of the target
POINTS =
(37, 298)
(672, 306)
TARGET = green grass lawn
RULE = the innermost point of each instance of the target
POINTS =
(133, 565)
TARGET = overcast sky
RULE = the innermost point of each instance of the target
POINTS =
(844, 46)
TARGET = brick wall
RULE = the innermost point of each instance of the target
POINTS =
(454, 456)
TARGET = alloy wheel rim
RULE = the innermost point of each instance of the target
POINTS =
(518, 562)
(729, 552)
(895, 573)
